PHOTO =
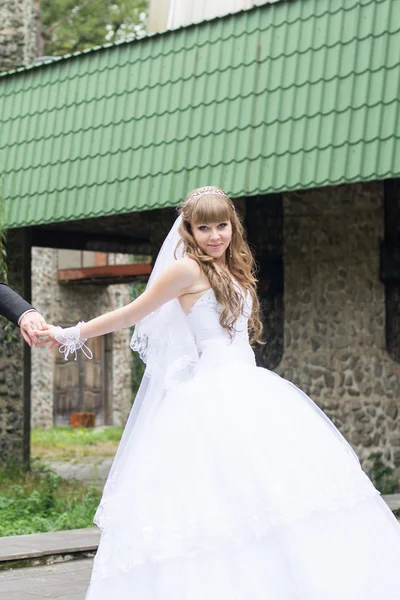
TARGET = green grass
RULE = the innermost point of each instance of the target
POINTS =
(40, 501)
(64, 443)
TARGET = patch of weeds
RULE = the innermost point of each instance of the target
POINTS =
(40, 500)
(382, 476)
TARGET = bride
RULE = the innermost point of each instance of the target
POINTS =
(229, 482)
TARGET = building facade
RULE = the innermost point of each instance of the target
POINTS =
(295, 116)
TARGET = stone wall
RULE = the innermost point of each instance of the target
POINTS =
(17, 33)
(15, 361)
(17, 48)
(334, 331)
(66, 305)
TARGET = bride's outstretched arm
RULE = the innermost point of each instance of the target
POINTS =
(171, 284)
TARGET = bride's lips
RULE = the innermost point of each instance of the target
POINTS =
(217, 246)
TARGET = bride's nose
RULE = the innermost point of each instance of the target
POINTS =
(214, 235)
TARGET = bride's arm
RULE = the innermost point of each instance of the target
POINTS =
(170, 284)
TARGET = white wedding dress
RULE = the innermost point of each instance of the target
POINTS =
(238, 487)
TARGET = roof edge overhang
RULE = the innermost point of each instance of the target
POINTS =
(148, 36)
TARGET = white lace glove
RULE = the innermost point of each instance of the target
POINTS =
(71, 341)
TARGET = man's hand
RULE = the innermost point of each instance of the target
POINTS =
(29, 323)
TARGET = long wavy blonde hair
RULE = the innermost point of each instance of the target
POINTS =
(211, 207)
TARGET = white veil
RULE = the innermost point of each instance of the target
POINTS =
(166, 344)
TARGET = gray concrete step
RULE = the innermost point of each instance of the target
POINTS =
(62, 581)
(20, 550)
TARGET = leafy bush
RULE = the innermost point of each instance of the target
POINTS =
(40, 500)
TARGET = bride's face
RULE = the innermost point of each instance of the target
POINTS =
(213, 238)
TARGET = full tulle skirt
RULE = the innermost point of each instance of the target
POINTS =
(238, 488)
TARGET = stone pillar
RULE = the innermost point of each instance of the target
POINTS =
(18, 24)
(15, 361)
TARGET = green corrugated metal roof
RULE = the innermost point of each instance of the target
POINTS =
(292, 95)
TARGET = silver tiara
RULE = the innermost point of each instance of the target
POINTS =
(206, 190)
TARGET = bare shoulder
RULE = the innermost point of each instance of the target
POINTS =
(189, 266)
(196, 280)
(185, 272)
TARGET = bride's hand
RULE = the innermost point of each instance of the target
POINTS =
(49, 338)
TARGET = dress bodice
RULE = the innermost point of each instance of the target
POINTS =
(213, 341)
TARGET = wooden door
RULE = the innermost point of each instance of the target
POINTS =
(80, 385)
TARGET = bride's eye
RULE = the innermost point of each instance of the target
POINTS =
(222, 224)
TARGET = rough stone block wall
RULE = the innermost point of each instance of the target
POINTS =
(17, 48)
(66, 305)
(44, 264)
(17, 33)
(11, 404)
(121, 396)
(14, 353)
(334, 332)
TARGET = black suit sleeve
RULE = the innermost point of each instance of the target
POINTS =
(11, 304)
